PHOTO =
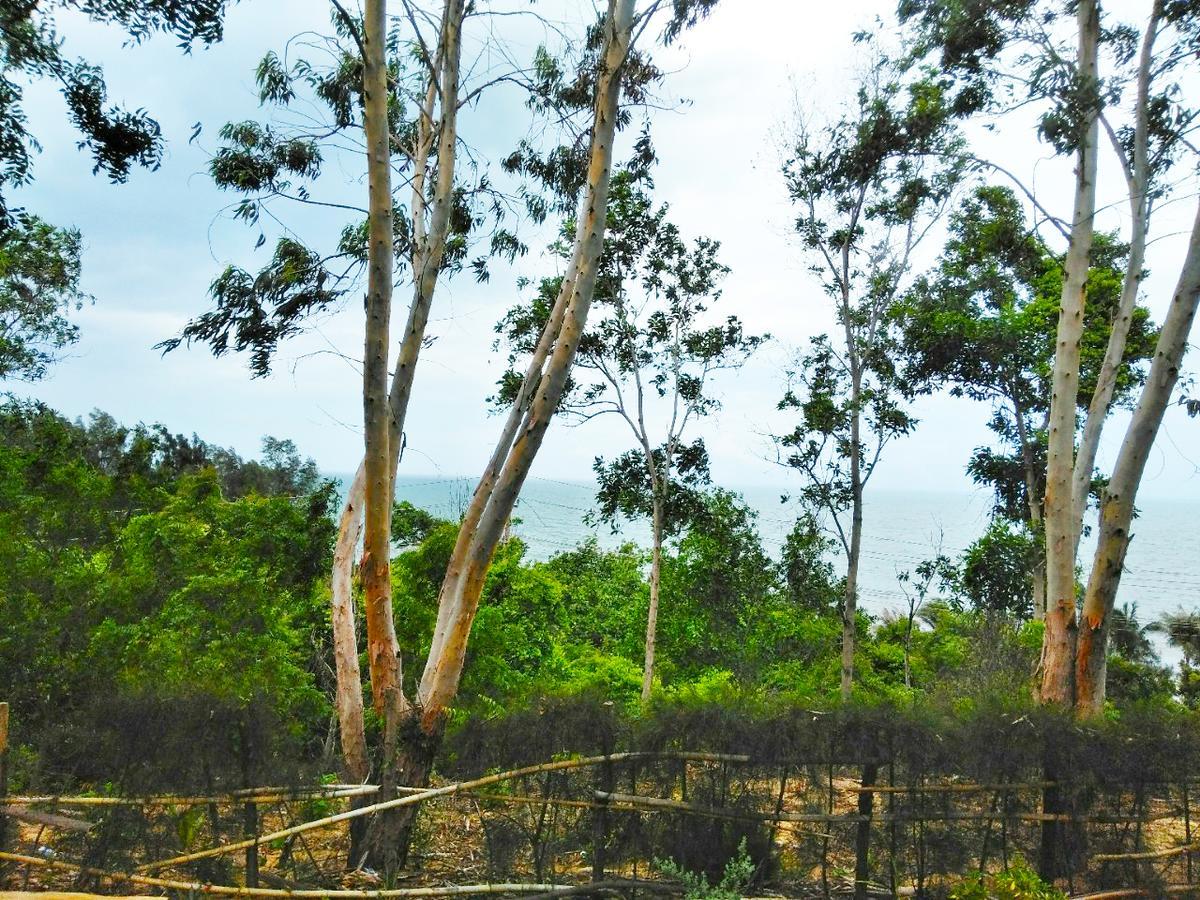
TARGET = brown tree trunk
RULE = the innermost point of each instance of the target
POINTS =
(382, 648)
(1058, 648)
(655, 582)
(1116, 511)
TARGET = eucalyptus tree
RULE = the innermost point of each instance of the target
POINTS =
(401, 114)
(256, 312)
(1086, 74)
(981, 324)
(648, 359)
(1120, 493)
(868, 188)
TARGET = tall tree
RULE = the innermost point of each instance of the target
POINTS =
(1141, 105)
(868, 189)
(256, 312)
(365, 96)
(648, 356)
(1058, 649)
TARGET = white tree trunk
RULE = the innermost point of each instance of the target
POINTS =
(349, 697)
(1058, 648)
(461, 591)
(1138, 181)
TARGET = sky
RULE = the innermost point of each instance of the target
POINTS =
(734, 85)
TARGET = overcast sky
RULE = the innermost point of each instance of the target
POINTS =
(153, 246)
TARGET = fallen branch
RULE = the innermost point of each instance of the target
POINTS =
(631, 802)
(1146, 854)
(430, 793)
(48, 819)
(239, 891)
(257, 795)
(947, 788)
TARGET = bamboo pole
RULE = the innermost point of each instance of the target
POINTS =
(239, 891)
(948, 788)
(430, 793)
(281, 796)
(1137, 892)
(1146, 854)
(629, 802)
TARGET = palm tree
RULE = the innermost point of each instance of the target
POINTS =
(1182, 630)
(1130, 638)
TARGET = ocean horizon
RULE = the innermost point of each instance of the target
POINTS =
(900, 529)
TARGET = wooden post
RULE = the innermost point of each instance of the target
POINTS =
(1187, 830)
(862, 838)
(250, 830)
(3, 771)
(604, 778)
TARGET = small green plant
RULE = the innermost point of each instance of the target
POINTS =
(1018, 882)
(736, 877)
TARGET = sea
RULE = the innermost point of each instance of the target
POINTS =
(900, 529)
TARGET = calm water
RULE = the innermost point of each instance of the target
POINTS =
(900, 530)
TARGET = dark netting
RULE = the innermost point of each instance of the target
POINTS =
(866, 800)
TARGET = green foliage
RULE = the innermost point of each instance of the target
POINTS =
(142, 568)
(117, 138)
(995, 570)
(715, 584)
(411, 525)
(1017, 882)
(39, 288)
(805, 567)
(734, 880)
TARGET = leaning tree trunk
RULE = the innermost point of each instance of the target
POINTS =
(348, 698)
(472, 555)
(1058, 647)
(1137, 176)
(481, 529)
(655, 582)
(1116, 510)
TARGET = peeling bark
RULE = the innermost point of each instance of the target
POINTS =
(348, 700)
(1058, 648)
